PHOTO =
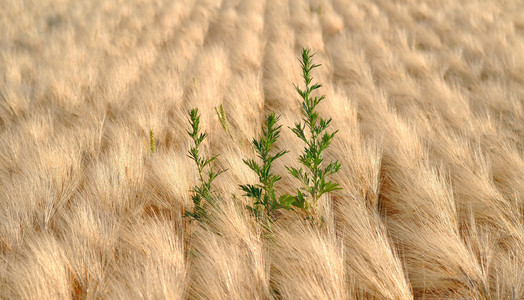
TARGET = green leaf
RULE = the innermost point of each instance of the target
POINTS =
(299, 174)
(300, 201)
(252, 165)
(329, 187)
(316, 100)
(300, 92)
(326, 140)
(323, 124)
(299, 131)
(285, 201)
(316, 85)
(251, 191)
(331, 168)
(209, 160)
(276, 156)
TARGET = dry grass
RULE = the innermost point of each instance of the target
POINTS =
(428, 97)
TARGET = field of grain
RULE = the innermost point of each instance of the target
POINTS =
(428, 97)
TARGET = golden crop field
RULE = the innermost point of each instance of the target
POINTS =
(96, 184)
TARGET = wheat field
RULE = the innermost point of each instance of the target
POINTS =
(428, 98)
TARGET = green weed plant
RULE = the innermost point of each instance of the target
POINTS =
(263, 194)
(313, 132)
(203, 191)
